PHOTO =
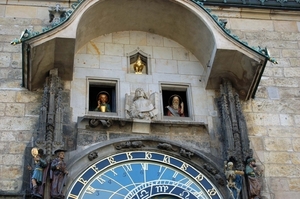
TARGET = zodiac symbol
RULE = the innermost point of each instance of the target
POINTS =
(187, 196)
(212, 192)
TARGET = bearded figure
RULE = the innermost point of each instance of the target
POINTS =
(253, 175)
(176, 108)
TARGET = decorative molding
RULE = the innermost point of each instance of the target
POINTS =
(56, 14)
(63, 17)
(166, 146)
(96, 122)
(186, 153)
(129, 144)
(92, 155)
(50, 128)
(234, 128)
(269, 4)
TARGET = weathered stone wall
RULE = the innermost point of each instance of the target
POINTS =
(272, 117)
(19, 108)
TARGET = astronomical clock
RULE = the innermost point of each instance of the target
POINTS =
(142, 175)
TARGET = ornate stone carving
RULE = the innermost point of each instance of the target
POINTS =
(26, 34)
(165, 146)
(185, 153)
(92, 155)
(234, 128)
(56, 14)
(95, 122)
(133, 144)
(235, 135)
(140, 106)
(215, 173)
(50, 128)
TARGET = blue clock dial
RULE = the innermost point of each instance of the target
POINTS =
(142, 175)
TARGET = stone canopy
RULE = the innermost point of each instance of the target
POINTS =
(186, 22)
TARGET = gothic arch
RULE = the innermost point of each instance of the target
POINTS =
(186, 22)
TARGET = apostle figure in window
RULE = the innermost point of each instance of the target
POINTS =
(176, 108)
(103, 102)
(58, 175)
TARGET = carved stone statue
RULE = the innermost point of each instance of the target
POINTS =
(166, 146)
(142, 107)
(58, 175)
(253, 176)
(234, 180)
(176, 106)
(56, 13)
(92, 155)
(185, 153)
(128, 144)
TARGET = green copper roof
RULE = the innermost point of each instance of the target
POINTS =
(28, 34)
(268, 4)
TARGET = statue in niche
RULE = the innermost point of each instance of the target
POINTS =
(253, 176)
(176, 106)
(234, 180)
(142, 107)
(103, 102)
(58, 175)
(39, 173)
(138, 66)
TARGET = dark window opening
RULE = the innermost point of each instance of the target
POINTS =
(168, 96)
(96, 90)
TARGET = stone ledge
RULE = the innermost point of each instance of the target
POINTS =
(166, 121)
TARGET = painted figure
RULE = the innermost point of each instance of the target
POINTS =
(253, 175)
(141, 107)
(38, 177)
(234, 180)
(103, 102)
(176, 108)
(58, 175)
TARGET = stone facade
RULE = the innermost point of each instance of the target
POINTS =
(272, 116)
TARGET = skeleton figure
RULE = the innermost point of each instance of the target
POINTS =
(234, 180)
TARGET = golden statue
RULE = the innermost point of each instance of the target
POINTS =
(138, 66)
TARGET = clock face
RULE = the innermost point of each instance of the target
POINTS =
(142, 175)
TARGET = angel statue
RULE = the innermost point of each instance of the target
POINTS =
(142, 107)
